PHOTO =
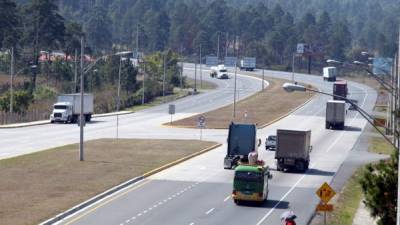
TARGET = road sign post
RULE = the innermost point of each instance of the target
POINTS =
(171, 111)
(201, 123)
(325, 193)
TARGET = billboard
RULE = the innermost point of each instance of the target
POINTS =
(230, 61)
(211, 60)
(382, 66)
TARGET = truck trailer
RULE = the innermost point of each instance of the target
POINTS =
(293, 150)
(340, 90)
(329, 73)
(242, 139)
(68, 107)
(335, 114)
(248, 63)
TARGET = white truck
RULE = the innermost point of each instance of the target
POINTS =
(330, 73)
(293, 149)
(335, 114)
(248, 63)
(68, 106)
(219, 72)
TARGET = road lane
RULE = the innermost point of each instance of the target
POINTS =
(213, 184)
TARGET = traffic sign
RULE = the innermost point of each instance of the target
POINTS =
(325, 207)
(201, 122)
(211, 60)
(325, 193)
(171, 109)
(230, 61)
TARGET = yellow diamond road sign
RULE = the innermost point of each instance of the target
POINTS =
(325, 193)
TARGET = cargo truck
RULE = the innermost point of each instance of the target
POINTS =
(248, 63)
(242, 139)
(250, 182)
(329, 73)
(293, 150)
(340, 90)
(68, 106)
(335, 114)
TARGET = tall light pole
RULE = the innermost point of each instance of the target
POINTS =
(12, 80)
(263, 79)
(226, 44)
(201, 72)
(218, 48)
(118, 91)
(234, 90)
(81, 123)
(396, 133)
(163, 83)
(144, 79)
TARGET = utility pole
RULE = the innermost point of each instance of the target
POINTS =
(195, 79)
(234, 91)
(181, 69)
(118, 92)
(218, 48)
(144, 76)
(163, 83)
(226, 44)
(396, 132)
(75, 89)
(12, 80)
(201, 72)
(293, 67)
(81, 153)
(263, 80)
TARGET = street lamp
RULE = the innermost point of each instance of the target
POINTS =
(290, 87)
(120, 54)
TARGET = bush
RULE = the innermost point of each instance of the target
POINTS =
(22, 100)
(44, 93)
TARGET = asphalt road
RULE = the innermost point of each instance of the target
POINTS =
(198, 190)
(143, 124)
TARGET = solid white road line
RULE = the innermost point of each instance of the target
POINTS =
(209, 211)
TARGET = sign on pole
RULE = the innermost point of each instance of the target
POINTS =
(211, 60)
(171, 110)
(230, 61)
(201, 123)
(325, 193)
(325, 207)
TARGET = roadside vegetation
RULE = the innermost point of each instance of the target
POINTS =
(37, 186)
(261, 108)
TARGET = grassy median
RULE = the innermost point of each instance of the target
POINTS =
(261, 108)
(38, 186)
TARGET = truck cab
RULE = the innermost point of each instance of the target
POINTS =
(219, 72)
(250, 183)
(62, 112)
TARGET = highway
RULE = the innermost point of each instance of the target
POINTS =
(143, 124)
(198, 190)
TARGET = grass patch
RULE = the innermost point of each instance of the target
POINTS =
(380, 146)
(261, 108)
(38, 186)
(201, 85)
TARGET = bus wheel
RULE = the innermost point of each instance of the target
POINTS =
(237, 202)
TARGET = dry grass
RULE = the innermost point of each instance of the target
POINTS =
(38, 186)
(261, 108)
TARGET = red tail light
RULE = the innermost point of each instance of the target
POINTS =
(233, 193)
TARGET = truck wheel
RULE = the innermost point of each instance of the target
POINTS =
(327, 125)
(300, 166)
(88, 118)
(74, 119)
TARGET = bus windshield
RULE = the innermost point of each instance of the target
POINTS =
(249, 176)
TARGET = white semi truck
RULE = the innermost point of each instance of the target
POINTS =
(219, 72)
(335, 114)
(330, 73)
(68, 106)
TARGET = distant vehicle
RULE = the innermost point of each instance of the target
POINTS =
(250, 183)
(248, 63)
(340, 90)
(242, 139)
(219, 72)
(270, 142)
(293, 149)
(330, 73)
(335, 114)
(67, 108)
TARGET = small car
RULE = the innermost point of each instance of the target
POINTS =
(270, 142)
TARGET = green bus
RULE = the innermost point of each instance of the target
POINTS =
(250, 183)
